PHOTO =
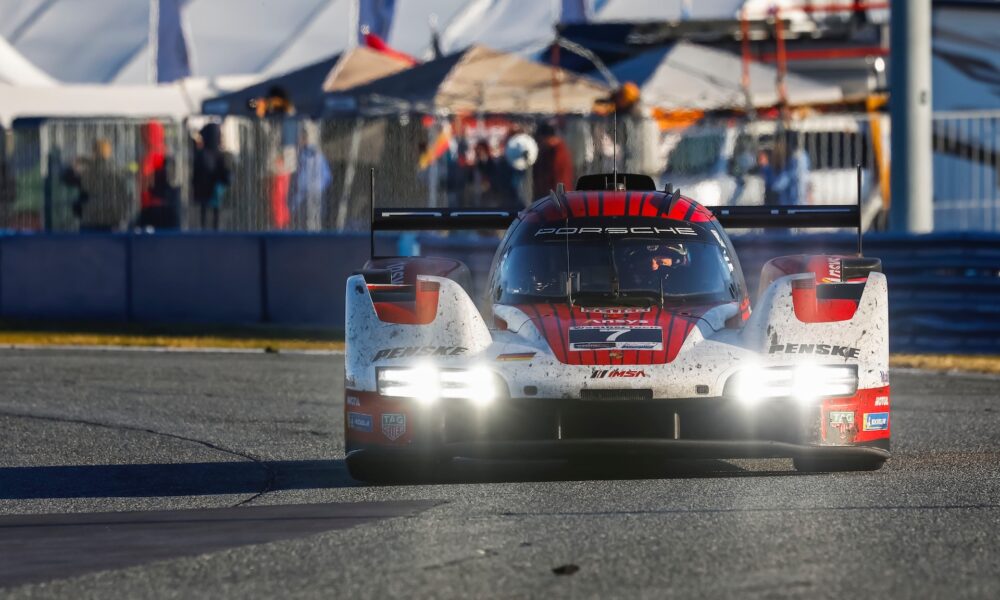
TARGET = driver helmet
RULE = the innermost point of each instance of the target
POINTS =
(667, 256)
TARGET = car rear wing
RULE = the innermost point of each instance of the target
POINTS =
(422, 219)
(801, 217)
(730, 217)
(795, 217)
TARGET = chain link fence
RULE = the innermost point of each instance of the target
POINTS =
(305, 175)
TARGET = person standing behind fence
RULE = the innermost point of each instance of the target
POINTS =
(792, 183)
(310, 182)
(103, 201)
(768, 175)
(210, 174)
(520, 153)
(158, 196)
(554, 164)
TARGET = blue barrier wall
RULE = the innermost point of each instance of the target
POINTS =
(943, 288)
(204, 278)
(64, 277)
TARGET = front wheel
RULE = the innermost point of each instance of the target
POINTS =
(834, 465)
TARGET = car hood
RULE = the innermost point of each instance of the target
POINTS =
(610, 335)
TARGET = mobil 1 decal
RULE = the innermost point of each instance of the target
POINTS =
(615, 337)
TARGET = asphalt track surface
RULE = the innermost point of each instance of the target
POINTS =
(136, 474)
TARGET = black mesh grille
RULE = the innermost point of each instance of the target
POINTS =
(625, 395)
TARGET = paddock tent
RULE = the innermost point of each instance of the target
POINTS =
(685, 75)
(105, 41)
(176, 101)
(17, 70)
(77, 101)
(478, 79)
(307, 85)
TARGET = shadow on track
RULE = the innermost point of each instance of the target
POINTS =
(156, 480)
(470, 471)
(201, 479)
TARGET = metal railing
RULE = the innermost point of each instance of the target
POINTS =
(967, 171)
(303, 175)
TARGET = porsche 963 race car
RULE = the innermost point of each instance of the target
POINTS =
(617, 322)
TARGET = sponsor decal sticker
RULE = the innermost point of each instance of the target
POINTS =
(833, 273)
(353, 401)
(397, 272)
(616, 322)
(516, 356)
(882, 401)
(876, 421)
(617, 310)
(600, 337)
(818, 349)
(393, 425)
(841, 425)
(359, 421)
(844, 417)
(688, 231)
(419, 351)
(615, 373)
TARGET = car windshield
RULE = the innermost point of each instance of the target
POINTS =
(626, 269)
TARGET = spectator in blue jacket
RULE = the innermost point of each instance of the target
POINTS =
(311, 180)
(792, 184)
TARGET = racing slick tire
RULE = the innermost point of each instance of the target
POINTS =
(834, 465)
(374, 468)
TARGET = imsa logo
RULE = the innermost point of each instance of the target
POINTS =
(614, 373)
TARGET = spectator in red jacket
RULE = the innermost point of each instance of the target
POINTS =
(159, 198)
(554, 164)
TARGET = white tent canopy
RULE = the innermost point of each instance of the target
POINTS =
(688, 75)
(177, 100)
(105, 41)
(16, 70)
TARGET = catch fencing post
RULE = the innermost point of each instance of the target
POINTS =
(911, 176)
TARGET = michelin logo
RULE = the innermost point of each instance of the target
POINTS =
(876, 421)
(359, 421)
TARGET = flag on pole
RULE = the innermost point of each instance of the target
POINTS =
(573, 11)
(173, 60)
(375, 16)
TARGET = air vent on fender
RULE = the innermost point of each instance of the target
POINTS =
(837, 302)
(406, 304)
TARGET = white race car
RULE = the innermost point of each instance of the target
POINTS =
(619, 324)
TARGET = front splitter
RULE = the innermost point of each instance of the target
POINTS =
(693, 449)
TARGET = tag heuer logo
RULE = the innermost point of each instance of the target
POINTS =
(393, 425)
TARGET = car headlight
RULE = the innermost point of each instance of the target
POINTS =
(805, 382)
(427, 384)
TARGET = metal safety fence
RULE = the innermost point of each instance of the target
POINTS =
(314, 175)
(967, 171)
(298, 174)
